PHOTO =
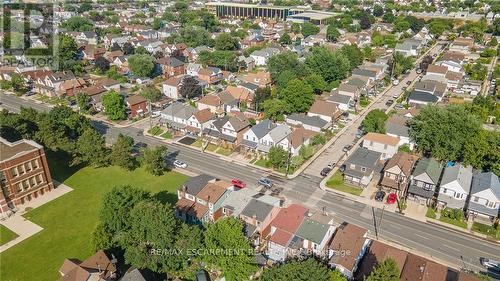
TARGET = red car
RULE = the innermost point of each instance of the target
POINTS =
(392, 198)
(238, 183)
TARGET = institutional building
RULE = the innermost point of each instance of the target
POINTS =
(24, 173)
(244, 10)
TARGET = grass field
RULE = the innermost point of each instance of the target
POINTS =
(224, 151)
(431, 213)
(6, 234)
(337, 182)
(459, 223)
(487, 230)
(69, 220)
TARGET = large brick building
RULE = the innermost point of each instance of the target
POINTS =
(24, 173)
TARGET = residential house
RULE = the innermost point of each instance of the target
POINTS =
(259, 215)
(90, 37)
(246, 63)
(437, 70)
(347, 248)
(424, 180)
(253, 136)
(210, 75)
(362, 73)
(193, 69)
(484, 201)
(219, 103)
(311, 123)
(282, 230)
(199, 121)
(409, 48)
(227, 131)
(176, 115)
(236, 202)
(377, 253)
(325, 110)
(347, 89)
(97, 267)
(261, 56)
(462, 45)
(455, 186)
(171, 66)
(385, 144)
(397, 126)
(299, 137)
(361, 166)
(242, 94)
(420, 99)
(314, 40)
(92, 52)
(137, 105)
(261, 78)
(397, 172)
(278, 136)
(95, 93)
(170, 87)
(419, 268)
(134, 274)
(315, 233)
(343, 102)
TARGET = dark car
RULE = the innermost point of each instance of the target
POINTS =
(408, 82)
(379, 196)
(325, 171)
(347, 148)
(265, 182)
(389, 102)
(140, 145)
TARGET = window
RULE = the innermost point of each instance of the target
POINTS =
(476, 199)
(34, 163)
(444, 190)
(14, 172)
(457, 195)
(363, 169)
(491, 204)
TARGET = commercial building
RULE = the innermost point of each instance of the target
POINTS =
(24, 173)
(243, 10)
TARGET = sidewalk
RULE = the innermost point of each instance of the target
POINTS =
(25, 228)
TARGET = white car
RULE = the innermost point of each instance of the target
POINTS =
(180, 164)
(395, 82)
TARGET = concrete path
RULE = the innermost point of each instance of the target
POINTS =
(25, 228)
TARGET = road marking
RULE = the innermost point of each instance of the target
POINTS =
(421, 236)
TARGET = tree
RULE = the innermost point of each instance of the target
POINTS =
(90, 148)
(84, 7)
(332, 33)
(353, 54)
(225, 42)
(114, 106)
(261, 95)
(274, 109)
(151, 93)
(121, 152)
(378, 11)
(286, 61)
(152, 228)
(278, 157)
(416, 24)
(317, 83)
(157, 23)
(309, 29)
(153, 160)
(476, 71)
(331, 65)
(233, 253)
(364, 20)
(141, 51)
(142, 65)
(386, 271)
(102, 64)
(402, 64)
(482, 151)
(189, 88)
(309, 269)
(285, 39)
(442, 132)
(102, 238)
(77, 23)
(223, 59)
(83, 102)
(17, 82)
(375, 121)
(298, 95)
(117, 205)
(389, 17)
(66, 52)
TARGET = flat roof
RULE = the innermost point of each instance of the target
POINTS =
(246, 5)
(9, 150)
(314, 15)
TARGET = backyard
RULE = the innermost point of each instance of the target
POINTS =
(68, 221)
(337, 182)
(6, 234)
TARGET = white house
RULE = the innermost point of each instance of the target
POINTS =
(261, 56)
(385, 144)
(170, 87)
(199, 121)
(455, 186)
(484, 196)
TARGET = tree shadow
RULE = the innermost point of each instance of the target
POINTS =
(166, 197)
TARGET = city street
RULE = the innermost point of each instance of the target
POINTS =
(438, 242)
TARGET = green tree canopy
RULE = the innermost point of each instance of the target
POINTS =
(285, 39)
(274, 109)
(153, 160)
(375, 121)
(386, 271)
(225, 42)
(142, 65)
(332, 33)
(331, 65)
(114, 105)
(121, 152)
(232, 251)
(298, 95)
(309, 29)
(353, 54)
(277, 157)
(90, 149)
(309, 269)
(78, 23)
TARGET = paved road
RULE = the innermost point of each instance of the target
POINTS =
(443, 244)
(334, 153)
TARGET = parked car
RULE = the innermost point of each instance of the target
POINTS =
(408, 83)
(395, 96)
(379, 196)
(155, 114)
(395, 82)
(238, 183)
(140, 145)
(180, 164)
(392, 198)
(265, 182)
(325, 171)
(399, 106)
(347, 148)
(389, 102)
(490, 264)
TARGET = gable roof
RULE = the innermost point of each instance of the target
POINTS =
(364, 157)
(74, 270)
(429, 166)
(348, 237)
(203, 115)
(419, 268)
(312, 230)
(378, 253)
(460, 173)
(195, 184)
(325, 108)
(484, 181)
(290, 218)
(313, 121)
(212, 191)
(404, 161)
(264, 127)
(280, 132)
(422, 96)
(258, 209)
(381, 138)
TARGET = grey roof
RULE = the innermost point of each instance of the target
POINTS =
(338, 98)
(429, 166)
(196, 184)
(460, 173)
(280, 132)
(356, 82)
(480, 208)
(419, 191)
(313, 121)
(258, 209)
(264, 127)
(396, 125)
(219, 122)
(451, 201)
(179, 110)
(483, 181)
(250, 86)
(364, 157)
(422, 96)
(134, 274)
(238, 200)
(249, 143)
(312, 230)
(364, 72)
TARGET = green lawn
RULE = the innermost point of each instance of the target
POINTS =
(6, 234)
(261, 162)
(337, 182)
(166, 135)
(431, 213)
(224, 151)
(155, 131)
(454, 222)
(69, 220)
(197, 143)
(211, 147)
(487, 230)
